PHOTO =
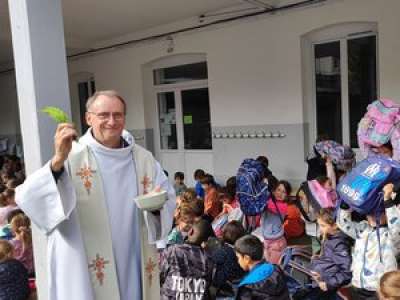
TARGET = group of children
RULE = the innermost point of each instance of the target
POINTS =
(16, 253)
(213, 253)
(216, 246)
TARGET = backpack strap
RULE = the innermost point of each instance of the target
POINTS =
(299, 206)
(277, 208)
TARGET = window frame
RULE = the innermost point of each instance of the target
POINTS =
(342, 33)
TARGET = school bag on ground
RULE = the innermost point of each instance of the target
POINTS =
(251, 190)
(361, 189)
(379, 126)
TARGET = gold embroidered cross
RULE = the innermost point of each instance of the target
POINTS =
(98, 265)
(150, 267)
(146, 182)
(86, 173)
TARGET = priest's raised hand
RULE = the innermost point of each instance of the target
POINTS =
(65, 134)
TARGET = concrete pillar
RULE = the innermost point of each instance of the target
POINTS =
(41, 74)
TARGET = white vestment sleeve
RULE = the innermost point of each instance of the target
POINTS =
(159, 226)
(44, 201)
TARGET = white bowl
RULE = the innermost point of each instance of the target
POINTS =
(152, 201)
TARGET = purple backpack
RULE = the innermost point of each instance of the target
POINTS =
(343, 157)
(379, 126)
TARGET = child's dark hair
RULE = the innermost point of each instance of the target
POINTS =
(9, 193)
(327, 216)
(3, 200)
(231, 187)
(207, 179)
(272, 183)
(198, 174)
(322, 179)
(232, 231)
(251, 246)
(388, 145)
(13, 213)
(286, 185)
(201, 231)
(179, 175)
(264, 160)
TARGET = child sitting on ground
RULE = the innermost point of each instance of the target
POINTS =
(14, 282)
(186, 272)
(228, 271)
(389, 286)
(10, 205)
(212, 204)
(198, 174)
(293, 225)
(22, 241)
(264, 281)
(331, 268)
(372, 257)
(179, 184)
(184, 219)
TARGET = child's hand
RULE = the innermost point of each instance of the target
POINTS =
(328, 160)
(387, 191)
(322, 286)
(316, 276)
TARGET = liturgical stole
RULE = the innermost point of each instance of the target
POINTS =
(95, 227)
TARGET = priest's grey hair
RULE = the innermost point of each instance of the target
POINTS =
(109, 93)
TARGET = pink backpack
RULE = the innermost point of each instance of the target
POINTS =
(379, 126)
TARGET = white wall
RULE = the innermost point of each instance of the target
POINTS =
(255, 71)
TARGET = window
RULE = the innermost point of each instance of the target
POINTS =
(342, 79)
(182, 73)
(184, 108)
(196, 119)
(328, 90)
(167, 120)
(85, 90)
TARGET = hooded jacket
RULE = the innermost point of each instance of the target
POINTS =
(264, 282)
(334, 263)
(186, 272)
(371, 261)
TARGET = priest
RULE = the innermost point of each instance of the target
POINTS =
(100, 245)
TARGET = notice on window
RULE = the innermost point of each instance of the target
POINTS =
(187, 120)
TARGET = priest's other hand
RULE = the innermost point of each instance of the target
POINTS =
(65, 134)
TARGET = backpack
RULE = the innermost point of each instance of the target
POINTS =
(343, 157)
(379, 126)
(361, 189)
(317, 198)
(251, 190)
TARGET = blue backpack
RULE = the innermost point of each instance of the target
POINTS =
(251, 190)
(361, 189)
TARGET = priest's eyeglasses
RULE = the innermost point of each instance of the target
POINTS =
(104, 116)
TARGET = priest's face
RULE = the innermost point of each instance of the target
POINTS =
(106, 116)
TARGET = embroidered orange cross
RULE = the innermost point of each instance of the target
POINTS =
(86, 173)
(146, 182)
(98, 265)
(150, 266)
